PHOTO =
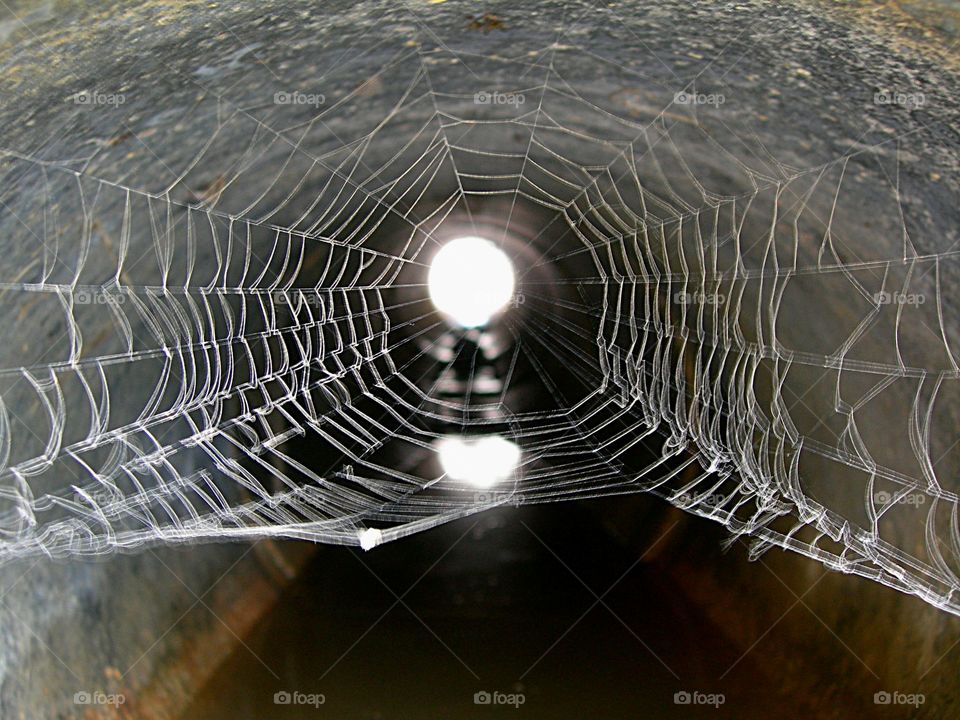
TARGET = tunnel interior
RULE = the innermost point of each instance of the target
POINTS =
(229, 406)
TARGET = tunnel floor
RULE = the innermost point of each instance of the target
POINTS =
(498, 602)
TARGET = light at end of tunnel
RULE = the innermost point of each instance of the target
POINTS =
(370, 538)
(481, 462)
(470, 280)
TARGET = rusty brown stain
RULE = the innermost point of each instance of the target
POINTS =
(209, 191)
(235, 605)
(117, 139)
(99, 338)
(485, 22)
(26, 307)
(369, 88)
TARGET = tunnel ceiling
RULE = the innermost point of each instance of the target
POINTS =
(734, 235)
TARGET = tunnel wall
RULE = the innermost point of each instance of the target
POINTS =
(93, 614)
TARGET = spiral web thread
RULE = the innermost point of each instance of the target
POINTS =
(182, 334)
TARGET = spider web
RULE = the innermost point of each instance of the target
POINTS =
(241, 345)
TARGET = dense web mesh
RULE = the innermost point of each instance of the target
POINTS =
(242, 345)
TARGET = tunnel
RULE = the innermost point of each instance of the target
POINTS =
(439, 359)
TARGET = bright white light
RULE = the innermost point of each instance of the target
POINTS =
(470, 280)
(482, 462)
